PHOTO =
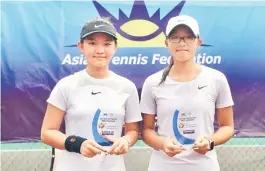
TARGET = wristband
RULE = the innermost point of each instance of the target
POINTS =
(73, 143)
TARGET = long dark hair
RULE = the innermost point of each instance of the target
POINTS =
(166, 72)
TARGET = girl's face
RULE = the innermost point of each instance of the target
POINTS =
(182, 44)
(98, 48)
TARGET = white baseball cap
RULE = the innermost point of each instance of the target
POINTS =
(183, 20)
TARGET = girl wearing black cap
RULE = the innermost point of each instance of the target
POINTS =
(184, 96)
(96, 103)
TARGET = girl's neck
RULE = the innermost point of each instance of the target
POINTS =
(185, 71)
(97, 72)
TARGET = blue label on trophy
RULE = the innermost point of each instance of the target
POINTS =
(103, 125)
(184, 127)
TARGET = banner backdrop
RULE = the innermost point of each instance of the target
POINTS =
(39, 48)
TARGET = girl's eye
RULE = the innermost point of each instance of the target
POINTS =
(91, 43)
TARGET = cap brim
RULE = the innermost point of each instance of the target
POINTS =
(182, 24)
(99, 31)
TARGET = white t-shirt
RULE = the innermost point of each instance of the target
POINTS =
(185, 111)
(95, 107)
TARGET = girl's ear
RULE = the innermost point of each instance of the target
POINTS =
(80, 46)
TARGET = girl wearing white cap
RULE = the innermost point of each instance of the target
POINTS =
(185, 96)
(95, 103)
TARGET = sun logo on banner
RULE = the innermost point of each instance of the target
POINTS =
(139, 29)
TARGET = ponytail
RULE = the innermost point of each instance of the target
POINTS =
(166, 72)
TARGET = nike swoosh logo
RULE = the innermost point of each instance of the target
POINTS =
(97, 26)
(201, 87)
(94, 93)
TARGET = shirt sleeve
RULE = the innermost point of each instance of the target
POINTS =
(132, 109)
(224, 96)
(148, 104)
(58, 96)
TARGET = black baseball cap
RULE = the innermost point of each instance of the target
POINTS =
(98, 26)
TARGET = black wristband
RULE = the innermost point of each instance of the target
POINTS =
(73, 143)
